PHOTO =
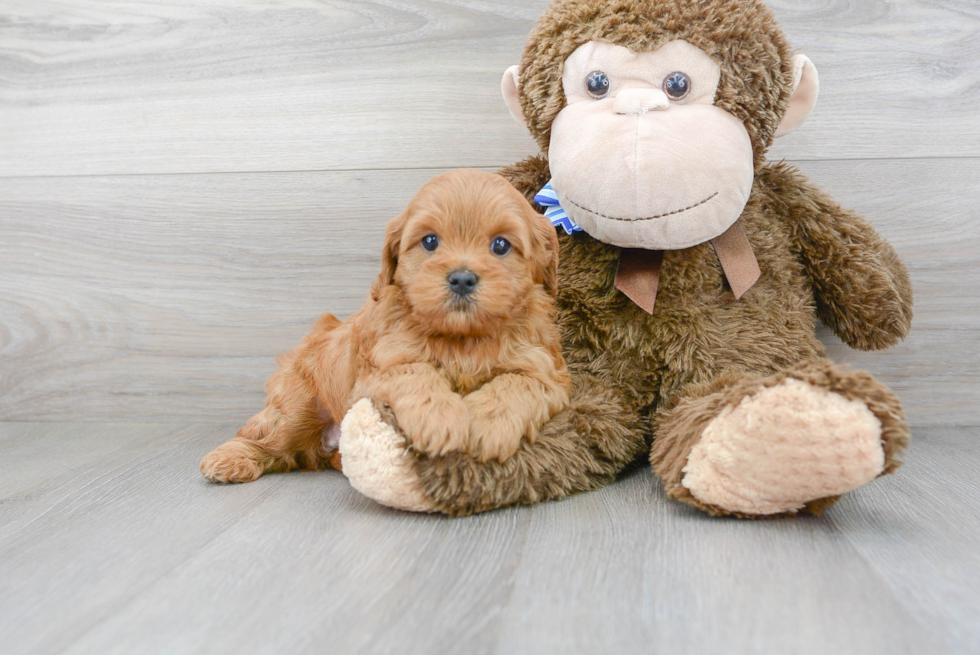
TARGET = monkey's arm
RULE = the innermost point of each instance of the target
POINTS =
(862, 289)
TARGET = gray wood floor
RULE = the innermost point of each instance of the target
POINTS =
(110, 542)
(186, 185)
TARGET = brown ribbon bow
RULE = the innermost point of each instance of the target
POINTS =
(638, 275)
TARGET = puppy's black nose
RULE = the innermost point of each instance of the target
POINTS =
(463, 282)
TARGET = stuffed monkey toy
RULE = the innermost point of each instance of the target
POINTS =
(691, 276)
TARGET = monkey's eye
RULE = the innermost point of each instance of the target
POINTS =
(677, 86)
(500, 246)
(430, 242)
(597, 84)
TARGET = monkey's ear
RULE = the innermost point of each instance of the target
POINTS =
(806, 88)
(389, 255)
(510, 86)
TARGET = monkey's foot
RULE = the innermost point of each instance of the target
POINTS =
(375, 461)
(784, 447)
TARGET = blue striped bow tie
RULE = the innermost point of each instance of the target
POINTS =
(548, 199)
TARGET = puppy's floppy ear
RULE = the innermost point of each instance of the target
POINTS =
(545, 240)
(389, 254)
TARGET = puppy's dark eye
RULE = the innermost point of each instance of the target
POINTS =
(430, 242)
(500, 246)
(677, 86)
(597, 84)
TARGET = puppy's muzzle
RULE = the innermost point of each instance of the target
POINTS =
(463, 282)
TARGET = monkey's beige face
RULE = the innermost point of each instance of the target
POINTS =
(683, 168)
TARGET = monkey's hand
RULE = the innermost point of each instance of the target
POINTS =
(861, 288)
(865, 295)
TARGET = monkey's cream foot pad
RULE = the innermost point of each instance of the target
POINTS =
(375, 460)
(783, 447)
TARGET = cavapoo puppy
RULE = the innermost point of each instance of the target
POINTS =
(457, 337)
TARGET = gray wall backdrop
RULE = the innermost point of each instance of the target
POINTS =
(185, 186)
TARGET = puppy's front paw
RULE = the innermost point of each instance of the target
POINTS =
(232, 461)
(435, 424)
(495, 430)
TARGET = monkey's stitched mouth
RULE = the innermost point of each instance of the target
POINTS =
(650, 218)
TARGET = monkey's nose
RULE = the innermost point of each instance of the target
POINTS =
(463, 281)
(631, 102)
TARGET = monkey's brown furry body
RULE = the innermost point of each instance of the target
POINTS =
(710, 388)
(639, 379)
